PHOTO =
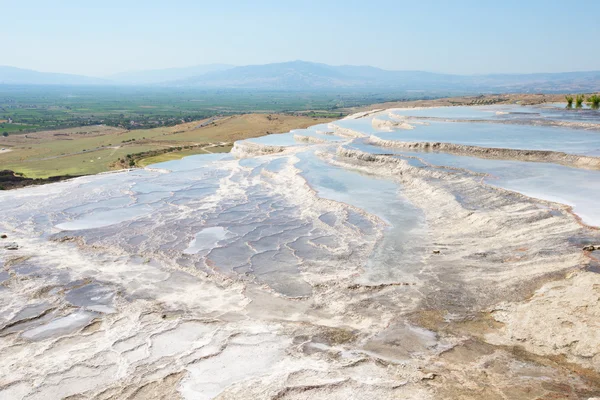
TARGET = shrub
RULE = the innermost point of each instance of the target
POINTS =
(569, 101)
(579, 100)
(594, 101)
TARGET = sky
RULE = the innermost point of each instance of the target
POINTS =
(99, 38)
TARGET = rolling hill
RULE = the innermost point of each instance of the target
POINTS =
(302, 76)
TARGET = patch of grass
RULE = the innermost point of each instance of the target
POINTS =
(230, 129)
(13, 129)
(75, 153)
(76, 164)
(220, 149)
(176, 155)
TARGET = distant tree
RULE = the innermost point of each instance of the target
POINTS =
(569, 101)
(579, 100)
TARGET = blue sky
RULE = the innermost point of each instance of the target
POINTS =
(103, 37)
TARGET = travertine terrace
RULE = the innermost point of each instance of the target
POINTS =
(348, 260)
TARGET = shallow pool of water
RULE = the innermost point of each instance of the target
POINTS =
(576, 187)
(526, 137)
(549, 111)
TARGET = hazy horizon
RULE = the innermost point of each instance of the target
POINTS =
(460, 38)
(174, 67)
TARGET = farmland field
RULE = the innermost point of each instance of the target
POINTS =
(32, 108)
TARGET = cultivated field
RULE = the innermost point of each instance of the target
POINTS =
(29, 108)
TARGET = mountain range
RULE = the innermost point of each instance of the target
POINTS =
(302, 75)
